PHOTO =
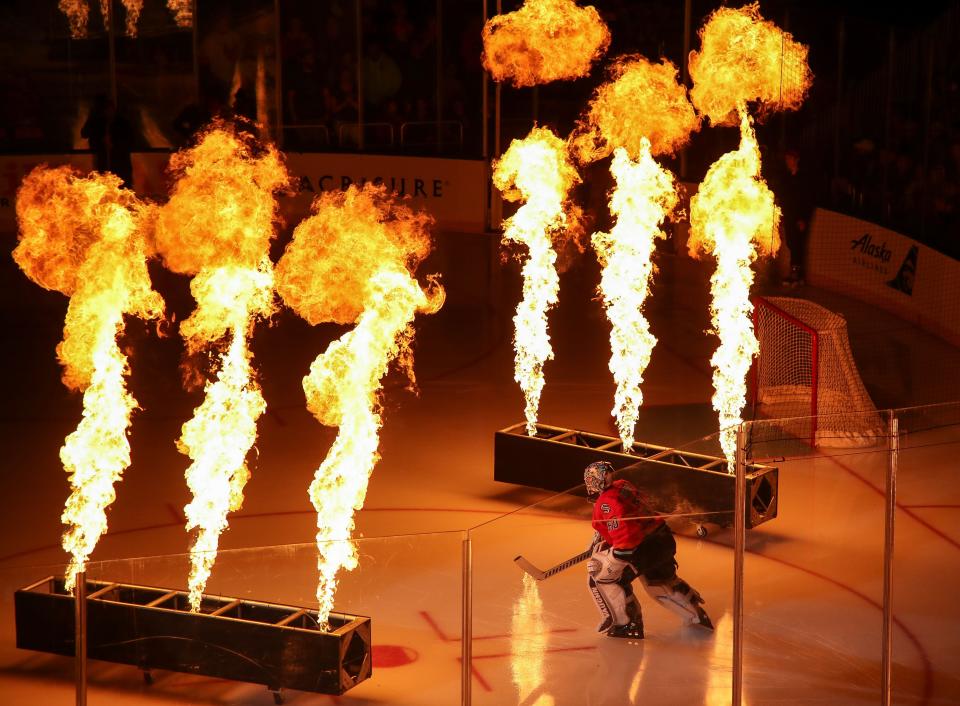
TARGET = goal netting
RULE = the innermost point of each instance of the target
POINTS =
(805, 375)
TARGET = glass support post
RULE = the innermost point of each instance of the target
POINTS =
(890, 510)
(80, 642)
(466, 632)
(739, 532)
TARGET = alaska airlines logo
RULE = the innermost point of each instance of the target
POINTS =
(870, 256)
(867, 247)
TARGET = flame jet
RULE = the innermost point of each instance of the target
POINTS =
(353, 261)
(537, 171)
(543, 41)
(84, 237)
(643, 197)
(641, 100)
(218, 225)
(642, 111)
(743, 58)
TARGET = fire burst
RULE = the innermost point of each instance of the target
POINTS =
(544, 41)
(537, 171)
(733, 215)
(84, 237)
(641, 101)
(218, 225)
(642, 111)
(353, 261)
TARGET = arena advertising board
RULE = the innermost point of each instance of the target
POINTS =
(452, 190)
(887, 269)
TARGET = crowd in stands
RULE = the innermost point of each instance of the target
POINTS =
(911, 184)
(401, 81)
(419, 91)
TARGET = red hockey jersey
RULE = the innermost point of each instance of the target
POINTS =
(614, 513)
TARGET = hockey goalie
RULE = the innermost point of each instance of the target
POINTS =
(629, 543)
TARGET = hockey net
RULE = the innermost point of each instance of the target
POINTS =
(805, 375)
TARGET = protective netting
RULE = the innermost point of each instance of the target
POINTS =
(806, 376)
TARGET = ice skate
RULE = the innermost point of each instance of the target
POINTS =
(702, 619)
(632, 630)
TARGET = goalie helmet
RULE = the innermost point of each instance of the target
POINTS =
(596, 477)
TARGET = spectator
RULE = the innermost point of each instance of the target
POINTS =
(110, 137)
(305, 95)
(296, 43)
(796, 195)
(381, 78)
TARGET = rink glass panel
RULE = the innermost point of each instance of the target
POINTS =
(51, 78)
(537, 643)
(155, 77)
(813, 578)
(398, 583)
(926, 556)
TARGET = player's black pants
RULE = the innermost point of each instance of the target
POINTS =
(655, 557)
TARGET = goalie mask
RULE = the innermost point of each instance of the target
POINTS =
(596, 478)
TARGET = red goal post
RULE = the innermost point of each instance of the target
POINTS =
(805, 375)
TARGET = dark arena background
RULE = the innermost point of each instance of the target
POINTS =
(834, 581)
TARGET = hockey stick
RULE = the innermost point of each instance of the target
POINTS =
(541, 575)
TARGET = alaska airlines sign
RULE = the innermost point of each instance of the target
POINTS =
(887, 269)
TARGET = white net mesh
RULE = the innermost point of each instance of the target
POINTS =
(806, 369)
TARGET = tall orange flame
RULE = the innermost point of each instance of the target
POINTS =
(644, 196)
(83, 236)
(528, 643)
(744, 58)
(353, 260)
(733, 216)
(641, 101)
(544, 41)
(218, 225)
(537, 171)
(641, 112)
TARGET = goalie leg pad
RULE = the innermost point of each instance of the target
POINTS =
(678, 596)
(606, 614)
(609, 580)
